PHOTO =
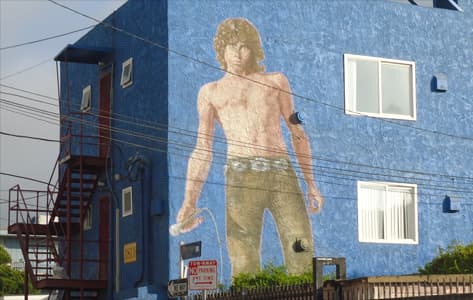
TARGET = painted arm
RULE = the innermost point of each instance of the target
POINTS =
(300, 144)
(199, 161)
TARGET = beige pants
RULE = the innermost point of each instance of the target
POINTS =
(253, 186)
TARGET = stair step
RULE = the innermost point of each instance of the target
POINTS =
(85, 180)
(73, 206)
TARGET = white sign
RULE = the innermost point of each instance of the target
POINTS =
(203, 275)
(177, 288)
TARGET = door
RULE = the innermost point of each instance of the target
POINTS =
(104, 113)
(104, 223)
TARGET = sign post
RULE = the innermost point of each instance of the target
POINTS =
(203, 275)
(177, 288)
(187, 251)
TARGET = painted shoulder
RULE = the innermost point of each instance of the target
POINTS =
(276, 78)
(206, 90)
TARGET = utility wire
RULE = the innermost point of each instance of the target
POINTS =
(325, 173)
(222, 155)
(23, 177)
(30, 92)
(164, 128)
(45, 39)
(28, 137)
(29, 98)
(26, 69)
(148, 41)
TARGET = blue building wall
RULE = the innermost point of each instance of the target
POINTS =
(138, 143)
(155, 122)
(306, 41)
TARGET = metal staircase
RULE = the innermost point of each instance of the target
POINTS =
(49, 225)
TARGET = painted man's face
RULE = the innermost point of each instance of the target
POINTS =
(237, 56)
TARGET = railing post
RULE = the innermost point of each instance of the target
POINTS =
(25, 284)
(318, 264)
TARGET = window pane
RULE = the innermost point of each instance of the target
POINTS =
(371, 201)
(367, 89)
(387, 213)
(395, 215)
(396, 89)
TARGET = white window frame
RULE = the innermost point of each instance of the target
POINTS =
(350, 80)
(127, 190)
(363, 237)
(431, 4)
(127, 77)
(86, 99)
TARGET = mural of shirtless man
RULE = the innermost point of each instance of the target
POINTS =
(249, 104)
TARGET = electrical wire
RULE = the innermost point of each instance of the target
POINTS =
(26, 69)
(24, 177)
(45, 39)
(152, 138)
(343, 109)
(162, 127)
(29, 137)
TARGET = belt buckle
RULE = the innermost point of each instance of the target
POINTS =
(280, 164)
(260, 164)
(238, 165)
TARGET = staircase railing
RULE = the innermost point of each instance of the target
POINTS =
(38, 250)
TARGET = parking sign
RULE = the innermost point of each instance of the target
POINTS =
(203, 275)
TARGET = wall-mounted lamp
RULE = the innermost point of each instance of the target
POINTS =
(451, 204)
(440, 82)
(297, 118)
(301, 245)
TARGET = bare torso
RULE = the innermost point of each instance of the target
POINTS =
(249, 111)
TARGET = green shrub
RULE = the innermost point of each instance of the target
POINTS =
(5, 257)
(456, 259)
(11, 281)
(270, 276)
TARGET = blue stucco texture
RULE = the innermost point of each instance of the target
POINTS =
(306, 40)
(156, 120)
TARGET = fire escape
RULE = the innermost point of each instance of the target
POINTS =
(49, 224)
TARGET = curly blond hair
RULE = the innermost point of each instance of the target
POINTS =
(234, 30)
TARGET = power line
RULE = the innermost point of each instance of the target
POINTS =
(29, 137)
(45, 39)
(29, 92)
(23, 177)
(343, 109)
(29, 98)
(26, 69)
(187, 146)
(162, 127)
(328, 172)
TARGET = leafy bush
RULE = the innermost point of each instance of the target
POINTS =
(11, 281)
(270, 276)
(5, 257)
(456, 259)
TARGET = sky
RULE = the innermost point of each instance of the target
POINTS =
(32, 68)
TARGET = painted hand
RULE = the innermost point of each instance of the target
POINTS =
(187, 218)
(316, 200)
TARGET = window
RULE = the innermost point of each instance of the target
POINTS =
(127, 72)
(380, 87)
(387, 212)
(86, 98)
(88, 218)
(127, 202)
(448, 4)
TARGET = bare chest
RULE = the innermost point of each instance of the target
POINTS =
(244, 97)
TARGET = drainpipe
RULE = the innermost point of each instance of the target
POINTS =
(137, 166)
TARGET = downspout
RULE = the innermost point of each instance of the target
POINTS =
(137, 167)
(145, 202)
